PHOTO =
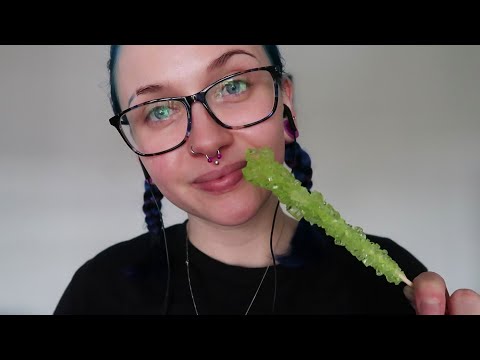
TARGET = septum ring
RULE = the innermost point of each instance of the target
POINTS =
(209, 159)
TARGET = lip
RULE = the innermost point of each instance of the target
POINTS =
(221, 180)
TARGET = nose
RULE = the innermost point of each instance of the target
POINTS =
(207, 136)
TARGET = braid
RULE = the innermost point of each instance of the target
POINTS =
(152, 216)
(299, 161)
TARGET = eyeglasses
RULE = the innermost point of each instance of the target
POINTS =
(236, 101)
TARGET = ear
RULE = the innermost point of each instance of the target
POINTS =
(289, 121)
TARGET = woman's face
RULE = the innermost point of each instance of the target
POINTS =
(215, 193)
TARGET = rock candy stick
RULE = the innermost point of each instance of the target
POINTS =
(262, 170)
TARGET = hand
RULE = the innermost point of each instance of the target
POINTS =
(429, 296)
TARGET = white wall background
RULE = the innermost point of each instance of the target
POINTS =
(393, 131)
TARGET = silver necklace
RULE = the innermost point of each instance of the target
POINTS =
(187, 262)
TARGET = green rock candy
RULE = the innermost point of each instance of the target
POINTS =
(262, 170)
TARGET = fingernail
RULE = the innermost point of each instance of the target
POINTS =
(430, 306)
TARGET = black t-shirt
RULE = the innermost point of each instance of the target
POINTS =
(316, 277)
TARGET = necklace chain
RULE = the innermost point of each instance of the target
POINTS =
(187, 262)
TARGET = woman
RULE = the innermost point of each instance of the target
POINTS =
(238, 252)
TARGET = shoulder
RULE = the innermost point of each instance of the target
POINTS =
(119, 278)
(352, 286)
(137, 250)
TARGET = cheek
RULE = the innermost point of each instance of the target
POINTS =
(270, 134)
(279, 146)
(161, 170)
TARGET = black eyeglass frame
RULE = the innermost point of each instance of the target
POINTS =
(188, 101)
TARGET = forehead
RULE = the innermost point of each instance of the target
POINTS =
(138, 65)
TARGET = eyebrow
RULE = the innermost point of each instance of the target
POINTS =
(215, 64)
(144, 90)
(222, 59)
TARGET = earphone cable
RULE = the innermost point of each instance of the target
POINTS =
(166, 299)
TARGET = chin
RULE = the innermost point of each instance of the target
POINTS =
(231, 219)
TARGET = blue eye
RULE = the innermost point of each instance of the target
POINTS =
(235, 87)
(160, 113)
(232, 87)
(163, 111)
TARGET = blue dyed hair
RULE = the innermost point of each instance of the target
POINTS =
(295, 157)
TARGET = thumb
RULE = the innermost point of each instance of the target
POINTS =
(430, 294)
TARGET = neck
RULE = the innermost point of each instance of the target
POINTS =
(246, 244)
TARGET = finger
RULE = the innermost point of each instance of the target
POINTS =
(464, 302)
(410, 295)
(430, 289)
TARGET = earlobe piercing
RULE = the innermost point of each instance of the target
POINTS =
(289, 122)
(288, 128)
